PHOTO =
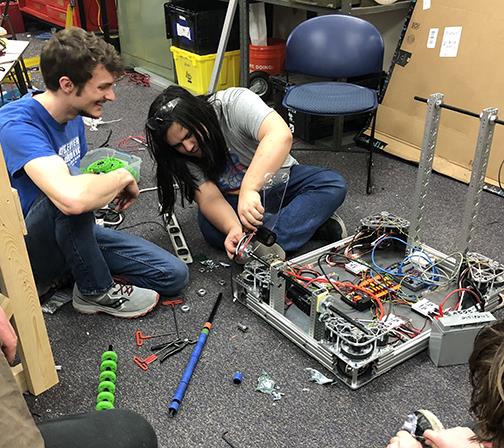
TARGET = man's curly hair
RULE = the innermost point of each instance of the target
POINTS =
(75, 53)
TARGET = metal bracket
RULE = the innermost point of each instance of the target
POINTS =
(425, 167)
(177, 238)
(488, 120)
(479, 168)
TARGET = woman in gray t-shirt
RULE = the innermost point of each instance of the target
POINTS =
(220, 150)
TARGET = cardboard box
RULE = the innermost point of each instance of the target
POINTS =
(463, 64)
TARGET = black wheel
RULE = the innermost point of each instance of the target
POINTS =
(260, 84)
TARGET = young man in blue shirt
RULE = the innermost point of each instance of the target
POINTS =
(43, 140)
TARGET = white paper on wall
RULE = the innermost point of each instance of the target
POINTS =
(451, 41)
(432, 37)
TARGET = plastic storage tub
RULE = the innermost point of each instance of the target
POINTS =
(194, 71)
(132, 163)
(196, 25)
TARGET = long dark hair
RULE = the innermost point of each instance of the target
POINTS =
(198, 116)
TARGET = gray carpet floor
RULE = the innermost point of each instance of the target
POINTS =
(308, 415)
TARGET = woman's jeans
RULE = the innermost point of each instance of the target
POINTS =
(311, 197)
(60, 244)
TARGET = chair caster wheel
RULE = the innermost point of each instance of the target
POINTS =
(260, 84)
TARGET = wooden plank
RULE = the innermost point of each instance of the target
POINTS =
(17, 279)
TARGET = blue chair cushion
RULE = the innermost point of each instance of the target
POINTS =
(330, 98)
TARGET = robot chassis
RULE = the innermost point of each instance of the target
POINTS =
(345, 340)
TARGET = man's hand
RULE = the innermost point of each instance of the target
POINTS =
(457, 437)
(8, 338)
(232, 239)
(126, 197)
(403, 439)
(250, 209)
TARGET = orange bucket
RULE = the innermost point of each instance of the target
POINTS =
(267, 58)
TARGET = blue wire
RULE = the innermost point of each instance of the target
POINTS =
(399, 272)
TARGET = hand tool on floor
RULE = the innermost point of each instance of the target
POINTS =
(144, 363)
(173, 303)
(193, 361)
(140, 337)
(169, 349)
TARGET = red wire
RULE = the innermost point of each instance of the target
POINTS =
(377, 301)
(455, 291)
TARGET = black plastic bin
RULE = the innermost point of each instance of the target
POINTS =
(196, 25)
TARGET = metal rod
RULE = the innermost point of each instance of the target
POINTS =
(259, 259)
(219, 58)
(457, 109)
(244, 42)
(175, 322)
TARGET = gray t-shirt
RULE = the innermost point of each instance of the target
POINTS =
(240, 113)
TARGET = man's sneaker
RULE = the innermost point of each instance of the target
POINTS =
(333, 229)
(120, 301)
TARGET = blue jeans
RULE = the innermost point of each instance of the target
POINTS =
(311, 197)
(60, 244)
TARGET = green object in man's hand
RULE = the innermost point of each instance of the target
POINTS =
(108, 164)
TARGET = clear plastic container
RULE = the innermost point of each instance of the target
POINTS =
(132, 163)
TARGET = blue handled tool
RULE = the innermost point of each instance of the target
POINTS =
(193, 361)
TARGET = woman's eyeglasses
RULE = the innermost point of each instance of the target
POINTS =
(155, 122)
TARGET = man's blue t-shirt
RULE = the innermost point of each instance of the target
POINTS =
(27, 132)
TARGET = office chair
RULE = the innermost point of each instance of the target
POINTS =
(335, 47)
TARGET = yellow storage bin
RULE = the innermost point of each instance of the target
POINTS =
(194, 70)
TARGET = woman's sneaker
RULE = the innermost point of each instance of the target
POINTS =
(120, 301)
